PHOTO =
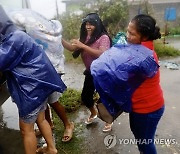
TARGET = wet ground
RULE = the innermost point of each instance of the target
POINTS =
(173, 42)
(168, 129)
(167, 135)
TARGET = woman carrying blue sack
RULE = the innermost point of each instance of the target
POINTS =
(31, 79)
(127, 78)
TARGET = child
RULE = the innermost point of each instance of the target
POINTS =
(127, 77)
(31, 78)
(94, 40)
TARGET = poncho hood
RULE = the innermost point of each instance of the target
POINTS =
(6, 25)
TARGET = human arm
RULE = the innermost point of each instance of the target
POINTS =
(94, 52)
(67, 45)
(102, 44)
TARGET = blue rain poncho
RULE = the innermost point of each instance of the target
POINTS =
(119, 71)
(31, 77)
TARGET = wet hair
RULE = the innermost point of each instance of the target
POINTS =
(146, 26)
(94, 19)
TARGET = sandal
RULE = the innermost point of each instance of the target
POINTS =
(107, 127)
(68, 133)
(90, 120)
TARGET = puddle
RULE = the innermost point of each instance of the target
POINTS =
(10, 115)
(10, 137)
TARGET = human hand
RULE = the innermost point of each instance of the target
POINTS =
(77, 43)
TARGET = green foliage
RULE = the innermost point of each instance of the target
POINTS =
(163, 50)
(113, 13)
(174, 31)
(71, 100)
(71, 25)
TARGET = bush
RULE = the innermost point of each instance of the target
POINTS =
(174, 31)
(71, 25)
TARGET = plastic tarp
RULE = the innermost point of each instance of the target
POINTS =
(119, 71)
(120, 38)
(46, 32)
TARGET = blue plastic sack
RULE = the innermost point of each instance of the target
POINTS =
(119, 71)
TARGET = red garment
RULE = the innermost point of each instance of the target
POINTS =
(148, 97)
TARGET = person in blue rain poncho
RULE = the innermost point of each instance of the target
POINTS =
(47, 33)
(127, 78)
(31, 79)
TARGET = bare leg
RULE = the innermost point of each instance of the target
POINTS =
(29, 138)
(69, 126)
(48, 116)
(92, 116)
(60, 111)
(93, 112)
(47, 133)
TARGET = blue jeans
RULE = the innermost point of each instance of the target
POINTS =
(144, 127)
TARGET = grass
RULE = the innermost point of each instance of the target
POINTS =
(74, 146)
(164, 50)
(71, 100)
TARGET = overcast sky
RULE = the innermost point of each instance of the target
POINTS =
(44, 7)
(47, 7)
